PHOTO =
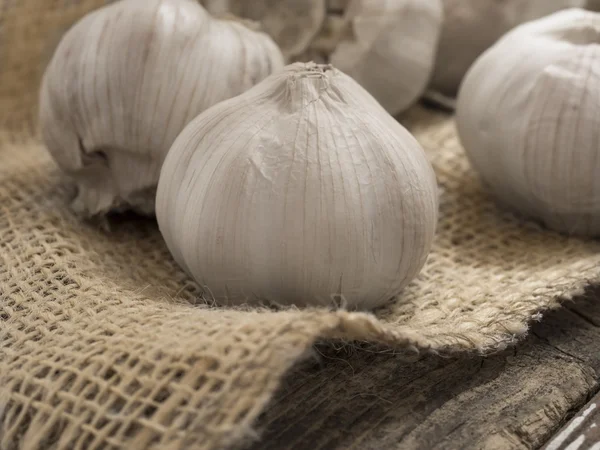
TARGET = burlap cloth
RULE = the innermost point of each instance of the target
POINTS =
(105, 344)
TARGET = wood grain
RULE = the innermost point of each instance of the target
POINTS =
(582, 432)
(362, 398)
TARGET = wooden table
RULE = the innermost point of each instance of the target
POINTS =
(368, 399)
(582, 432)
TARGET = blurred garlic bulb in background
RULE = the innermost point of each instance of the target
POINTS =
(527, 116)
(472, 26)
(303, 190)
(292, 24)
(126, 79)
(390, 48)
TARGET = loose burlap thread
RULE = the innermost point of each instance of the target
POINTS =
(106, 344)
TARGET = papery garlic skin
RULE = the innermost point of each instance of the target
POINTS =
(527, 116)
(126, 79)
(390, 48)
(301, 191)
(472, 26)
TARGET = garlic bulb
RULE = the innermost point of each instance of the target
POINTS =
(303, 191)
(527, 116)
(126, 79)
(391, 48)
(472, 26)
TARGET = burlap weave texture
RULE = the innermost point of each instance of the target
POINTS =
(105, 344)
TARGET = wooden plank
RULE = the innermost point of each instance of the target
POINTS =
(582, 432)
(365, 398)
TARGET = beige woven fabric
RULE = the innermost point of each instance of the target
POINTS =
(105, 344)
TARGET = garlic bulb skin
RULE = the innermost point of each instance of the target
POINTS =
(390, 48)
(527, 115)
(472, 26)
(126, 79)
(303, 191)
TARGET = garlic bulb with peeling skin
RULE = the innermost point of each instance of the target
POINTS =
(126, 79)
(472, 26)
(303, 190)
(391, 48)
(527, 116)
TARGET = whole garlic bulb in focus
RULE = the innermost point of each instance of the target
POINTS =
(126, 79)
(472, 26)
(300, 191)
(527, 115)
(390, 48)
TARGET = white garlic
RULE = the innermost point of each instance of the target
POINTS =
(126, 79)
(527, 115)
(472, 26)
(391, 48)
(302, 190)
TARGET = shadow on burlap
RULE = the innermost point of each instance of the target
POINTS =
(105, 344)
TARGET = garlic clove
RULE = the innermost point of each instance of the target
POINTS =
(527, 117)
(303, 191)
(391, 48)
(292, 24)
(126, 79)
(472, 26)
